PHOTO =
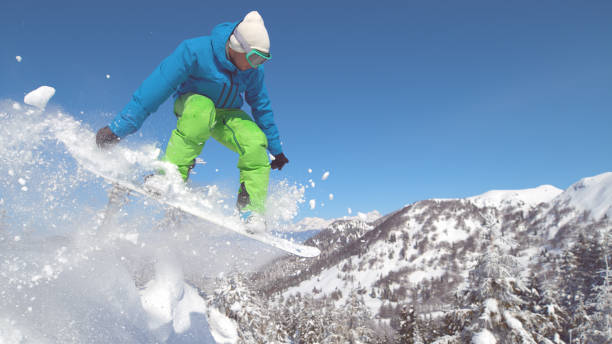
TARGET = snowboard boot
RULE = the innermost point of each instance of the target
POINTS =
(254, 223)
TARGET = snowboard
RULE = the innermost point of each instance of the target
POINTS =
(234, 225)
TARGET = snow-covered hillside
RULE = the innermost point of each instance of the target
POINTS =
(593, 194)
(526, 198)
(425, 251)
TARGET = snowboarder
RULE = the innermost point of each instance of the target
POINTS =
(208, 76)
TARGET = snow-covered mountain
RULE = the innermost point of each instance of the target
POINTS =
(592, 194)
(317, 223)
(527, 198)
(425, 250)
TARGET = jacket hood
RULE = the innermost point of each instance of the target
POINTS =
(220, 35)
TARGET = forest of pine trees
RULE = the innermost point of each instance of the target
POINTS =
(567, 299)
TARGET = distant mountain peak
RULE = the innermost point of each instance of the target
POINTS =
(516, 198)
(311, 223)
(592, 194)
(317, 223)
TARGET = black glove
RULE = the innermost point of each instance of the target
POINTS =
(279, 161)
(105, 138)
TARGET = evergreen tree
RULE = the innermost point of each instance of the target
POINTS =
(310, 320)
(497, 301)
(550, 318)
(582, 262)
(556, 317)
(568, 265)
(255, 323)
(582, 268)
(359, 318)
(579, 322)
(600, 330)
(409, 328)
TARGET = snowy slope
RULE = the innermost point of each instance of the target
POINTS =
(593, 194)
(431, 245)
(586, 201)
(401, 248)
(516, 198)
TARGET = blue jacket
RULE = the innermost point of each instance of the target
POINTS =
(200, 65)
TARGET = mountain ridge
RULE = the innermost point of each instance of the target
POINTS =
(435, 243)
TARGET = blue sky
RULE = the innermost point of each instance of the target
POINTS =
(400, 100)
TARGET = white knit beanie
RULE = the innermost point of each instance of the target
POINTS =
(253, 32)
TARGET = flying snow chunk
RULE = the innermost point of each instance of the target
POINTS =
(325, 175)
(313, 203)
(108, 76)
(18, 58)
(222, 328)
(331, 197)
(310, 170)
(350, 211)
(39, 97)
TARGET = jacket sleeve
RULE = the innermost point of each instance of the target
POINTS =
(156, 88)
(256, 96)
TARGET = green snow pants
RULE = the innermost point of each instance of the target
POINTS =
(197, 120)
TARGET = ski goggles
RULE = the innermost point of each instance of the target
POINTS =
(255, 57)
